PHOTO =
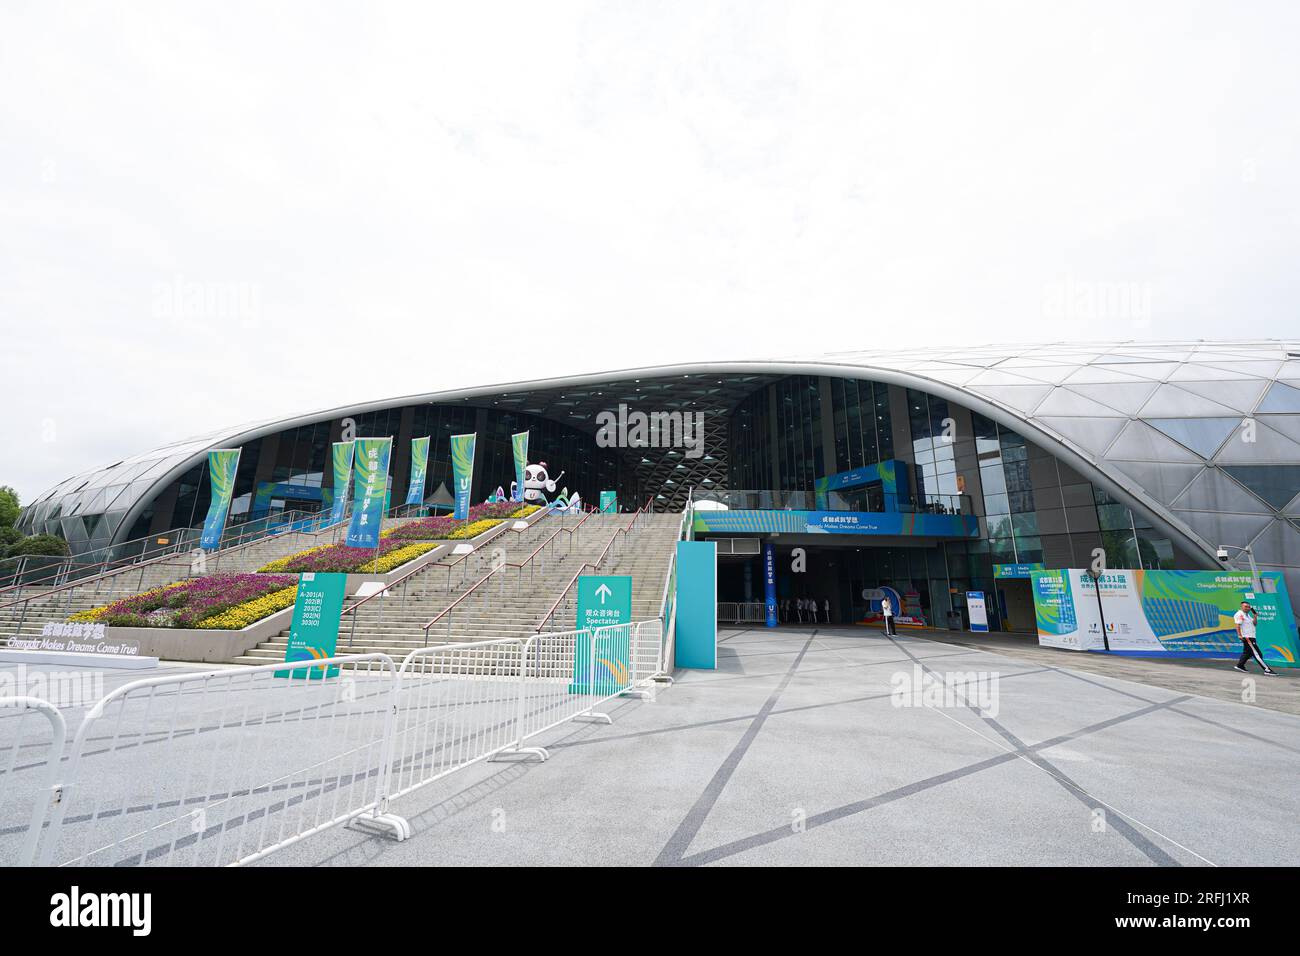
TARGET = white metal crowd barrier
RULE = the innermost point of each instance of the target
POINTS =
(742, 612)
(32, 750)
(226, 767)
(463, 703)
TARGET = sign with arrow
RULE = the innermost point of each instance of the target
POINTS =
(601, 661)
(314, 633)
(604, 599)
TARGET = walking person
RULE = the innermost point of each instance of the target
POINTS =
(826, 606)
(1245, 619)
(887, 611)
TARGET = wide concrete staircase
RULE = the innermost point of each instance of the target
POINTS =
(469, 604)
(26, 612)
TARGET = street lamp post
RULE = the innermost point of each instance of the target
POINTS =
(1096, 586)
(1255, 581)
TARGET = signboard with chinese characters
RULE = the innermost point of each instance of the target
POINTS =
(1157, 613)
(314, 633)
(601, 658)
(76, 638)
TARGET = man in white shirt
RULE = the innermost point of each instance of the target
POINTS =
(887, 611)
(1245, 621)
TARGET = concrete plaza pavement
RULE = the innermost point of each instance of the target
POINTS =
(793, 752)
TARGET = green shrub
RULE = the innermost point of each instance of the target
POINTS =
(46, 544)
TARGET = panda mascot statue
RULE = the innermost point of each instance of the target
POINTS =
(538, 484)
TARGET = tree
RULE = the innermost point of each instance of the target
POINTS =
(44, 544)
(9, 506)
(9, 537)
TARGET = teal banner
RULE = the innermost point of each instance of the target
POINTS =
(314, 633)
(223, 463)
(609, 502)
(369, 491)
(419, 468)
(519, 444)
(341, 460)
(462, 472)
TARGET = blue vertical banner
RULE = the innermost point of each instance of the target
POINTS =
(222, 465)
(462, 472)
(341, 462)
(519, 445)
(419, 468)
(769, 582)
(369, 491)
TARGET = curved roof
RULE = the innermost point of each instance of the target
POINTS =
(1203, 437)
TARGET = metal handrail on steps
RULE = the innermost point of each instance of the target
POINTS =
(405, 579)
(638, 517)
(446, 612)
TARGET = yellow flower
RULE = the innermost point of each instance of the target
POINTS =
(241, 615)
(282, 564)
(473, 529)
(397, 558)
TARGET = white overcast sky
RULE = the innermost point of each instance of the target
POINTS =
(411, 198)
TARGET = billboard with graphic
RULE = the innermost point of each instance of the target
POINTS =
(1157, 613)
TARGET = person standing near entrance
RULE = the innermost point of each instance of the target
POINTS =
(1245, 619)
(826, 606)
(887, 611)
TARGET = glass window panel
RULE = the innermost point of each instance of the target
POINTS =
(1281, 398)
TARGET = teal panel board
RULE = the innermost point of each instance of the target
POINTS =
(697, 605)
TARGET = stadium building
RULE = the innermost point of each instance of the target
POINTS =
(934, 471)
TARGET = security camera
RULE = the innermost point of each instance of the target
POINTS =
(1223, 554)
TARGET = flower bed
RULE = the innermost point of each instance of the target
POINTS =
(392, 553)
(439, 529)
(502, 509)
(222, 601)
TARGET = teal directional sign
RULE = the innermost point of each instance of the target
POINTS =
(604, 599)
(314, 633)
(601, 662)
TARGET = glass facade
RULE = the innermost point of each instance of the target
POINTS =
(1155, 453)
